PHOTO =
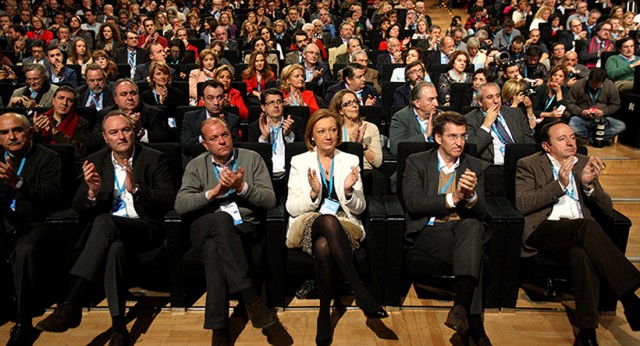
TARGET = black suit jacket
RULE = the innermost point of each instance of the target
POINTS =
(433, 59)
(402, 96)
(122, 57)
(381, 60)
(420, 193)
(516, 122)
(298, 129)
(142, 73)
(151, 118)
(107, 100)
(335, 42)
(191, 128)
(156, 192)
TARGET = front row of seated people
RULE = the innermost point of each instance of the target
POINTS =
(127, 186)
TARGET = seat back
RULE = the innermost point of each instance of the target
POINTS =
(173, 153)
(461, 96)
(69, 173)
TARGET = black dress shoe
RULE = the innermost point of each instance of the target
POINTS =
(22, 335)
(120, 338)
(323, 341)
(457, 319)
(633, 317)
(376, 315)
(259, 314)
(64, 317)
(586, 339)
(481, 341)
(220, 338)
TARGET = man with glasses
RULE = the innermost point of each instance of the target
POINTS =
(394, 55)
(63, 38)
(222, 35)
(315, 71)
(443, 193)
(149, 123)
(591, 50)
(131, 54)
(213, 98)
(38, 92)
(37, 53)
(276, 128)
(413, 74)
(571, 37)
(96, 92)
(223, 190)
(491, 128)
(591, 101)
(413, 123)
(581, 13)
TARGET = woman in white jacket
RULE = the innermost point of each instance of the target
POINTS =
(325, 199)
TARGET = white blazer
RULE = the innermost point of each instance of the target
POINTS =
(299, 198)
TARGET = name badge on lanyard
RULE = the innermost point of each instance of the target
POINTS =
(329, 206)
(24, 159)
(119, 203)
(230, 207)
(432, 220)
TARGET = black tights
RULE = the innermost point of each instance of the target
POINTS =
(330, 247)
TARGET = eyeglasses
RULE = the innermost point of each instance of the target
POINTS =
(452, 137)
(273, 103)
(412, 72)
(132, 38)
(350, 103)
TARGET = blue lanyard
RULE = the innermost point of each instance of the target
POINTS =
(549, 102)
(345, 136)
(155, 96)
(570, 191)
(120, 188)
(259, 82)
(293, 102)
(274, 134)
(233, 168)
(93, 99)
(444, 189)
(24, 159)
(509, 39)
(627, 60)
(594, 99)
(494, 129)
(324, 180)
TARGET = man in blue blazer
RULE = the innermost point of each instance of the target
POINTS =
(413, 74)
(58, 73)
(354, 80)
(97, 92)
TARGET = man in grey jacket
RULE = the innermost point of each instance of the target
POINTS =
(222, 206)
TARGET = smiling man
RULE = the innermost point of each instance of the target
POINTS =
(128, 188)
(37, 93)
(30, 185)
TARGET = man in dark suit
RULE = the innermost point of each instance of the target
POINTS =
(224, 206)
(414, 122)
(557, 191)
(443, 193)
(276, 128)
(347, 31)
(413, 74)
(149, 123)
(38, 53)
(223, 36)
(30, 188)
(393, 57)
(315, 70)
(354, 80)
(491, 128)
(131, 54)
(213, 98)
(156, 54)
(58, 73)
(97, 92)
(353, 46)
(128, 189)
(447, 46)
(571, 37)
(300, 40)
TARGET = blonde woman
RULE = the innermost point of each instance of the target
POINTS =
(292, 87)
(224, 75)
(207, 62)
(542, 16)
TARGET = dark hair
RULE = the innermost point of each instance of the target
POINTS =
(213, 83)
(553, 46)
(350, 70)
(533, 51)
(544, 132)
(19, 28)
(597, 75)
(270, 91)
(619, 42)
(509, 23)
(509, 64)
(39, 43)
(487, 75)
(416, 49)
(444, 118)
(68, 89)
(53, 47)
(412, 65)
(519, 39)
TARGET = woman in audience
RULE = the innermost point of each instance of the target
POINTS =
(476, 57)
(542, 16)
(550, 96)
(218, 48)
(555, 22)
(207, 33)
(252, 18)
(161, 92)
(356, 129)
(422, 30)
(75, 26)
(410, 55)
(179, 53)
(383, 26)
(458, 62)
(79, 54)
(39, 10)
(262, 21)
(248, 33)
(260, 45)
(322, 179)
(513, 95)
(207, 63)
(102, 59)
(256, 75)
(292, 87)
(193, 23)
(108, 39)
(38, 31)
(480, 76)
(616, 12)
(232, 96)
(394, 31)
(272, 45)
(227, 22)
(162, 23)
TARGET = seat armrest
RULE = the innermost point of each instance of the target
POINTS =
(177, 243)
(276, 252)
(394, 252)
(63, 216)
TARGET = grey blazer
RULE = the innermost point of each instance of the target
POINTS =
(404, 128)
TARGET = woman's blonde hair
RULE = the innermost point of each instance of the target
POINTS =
(158, 66)
(510, 89)
(286, 73)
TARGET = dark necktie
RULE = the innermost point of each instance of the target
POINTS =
(503, 132)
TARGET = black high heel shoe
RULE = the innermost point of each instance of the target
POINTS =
(376, 315)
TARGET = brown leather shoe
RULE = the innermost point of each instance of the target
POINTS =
(482, 341)
(457, 319)
(64, 317)
(259, 314)
(121, 338)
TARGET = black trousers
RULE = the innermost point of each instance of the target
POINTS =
(592, 257)
(459, 243)
(225, 262)
(110, 245)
